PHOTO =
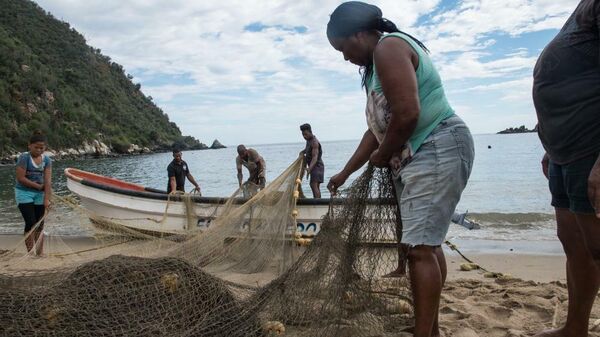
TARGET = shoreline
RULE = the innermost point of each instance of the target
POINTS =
(56, 156)
(530, 266)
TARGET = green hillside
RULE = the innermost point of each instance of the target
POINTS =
(51, 80)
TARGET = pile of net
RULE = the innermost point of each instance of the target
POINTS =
(250, 273)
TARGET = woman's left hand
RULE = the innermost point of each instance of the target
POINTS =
(378, 160)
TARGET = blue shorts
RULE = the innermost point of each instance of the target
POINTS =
(569, 183)
(29, 196)
(430, 186)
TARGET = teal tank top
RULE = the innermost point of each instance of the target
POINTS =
(434, 105)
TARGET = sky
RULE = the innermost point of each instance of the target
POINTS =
(252, 71)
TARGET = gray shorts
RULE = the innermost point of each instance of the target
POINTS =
(430, 186)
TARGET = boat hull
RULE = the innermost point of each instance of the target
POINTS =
(146, 210)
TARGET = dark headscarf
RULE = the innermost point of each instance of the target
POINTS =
(352, 17)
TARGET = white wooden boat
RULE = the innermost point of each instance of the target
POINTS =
(142, 208)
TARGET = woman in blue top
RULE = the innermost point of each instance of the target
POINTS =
(413, 130)
(33, 190)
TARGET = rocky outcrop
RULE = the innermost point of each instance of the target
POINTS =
(134, 148)
(97, 148)
(217, 145)
(520, 129)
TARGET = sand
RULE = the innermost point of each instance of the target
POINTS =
(472, 305)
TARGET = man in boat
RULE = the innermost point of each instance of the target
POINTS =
(178, 170)
(313, 162)
(255, 163)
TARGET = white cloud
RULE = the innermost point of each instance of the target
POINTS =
(239, 81)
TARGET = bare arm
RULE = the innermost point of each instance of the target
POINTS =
(193, 181)
(314, 155)
(361, 155)
(47, 186)
(22, 179)
(173, 184)
(367, 146)
(396, 63)
(240, 175)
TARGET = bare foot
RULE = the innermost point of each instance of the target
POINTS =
(396, 273)
(554, 333)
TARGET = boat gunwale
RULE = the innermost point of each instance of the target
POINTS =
(155, 194)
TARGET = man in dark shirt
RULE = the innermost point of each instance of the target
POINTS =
(178, 170)
(313, 153)
(566, 94)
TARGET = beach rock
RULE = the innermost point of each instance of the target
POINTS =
(49, 153)
(101, 149)
(88, 148)
(134, 148)
(146, 150)
(217, 145)
(72, 152)
(25, 68)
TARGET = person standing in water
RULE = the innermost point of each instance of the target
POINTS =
(566, 95)
(33, 190)
(313, 153)
(413, 130)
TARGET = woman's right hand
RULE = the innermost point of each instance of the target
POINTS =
(336, 181)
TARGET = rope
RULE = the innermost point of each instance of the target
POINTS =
(488, 273)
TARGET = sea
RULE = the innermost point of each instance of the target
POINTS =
(507, 193)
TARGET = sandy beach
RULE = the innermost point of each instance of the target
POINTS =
(532, 299)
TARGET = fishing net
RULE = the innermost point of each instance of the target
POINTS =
(250, 272)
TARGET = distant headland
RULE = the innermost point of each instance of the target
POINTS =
(520, 129)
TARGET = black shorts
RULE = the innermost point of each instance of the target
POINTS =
(32, 214)
(317, 175)
(569, 184)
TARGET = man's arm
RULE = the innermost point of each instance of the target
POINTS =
(193, 181)
(173, 184)
(314, 156)
(240, 175)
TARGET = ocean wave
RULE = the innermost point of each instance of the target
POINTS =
(511, 218)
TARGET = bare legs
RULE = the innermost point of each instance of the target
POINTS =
(427, 269)
(316, 190)
(580, 237)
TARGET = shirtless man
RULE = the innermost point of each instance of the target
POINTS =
(251, 160)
